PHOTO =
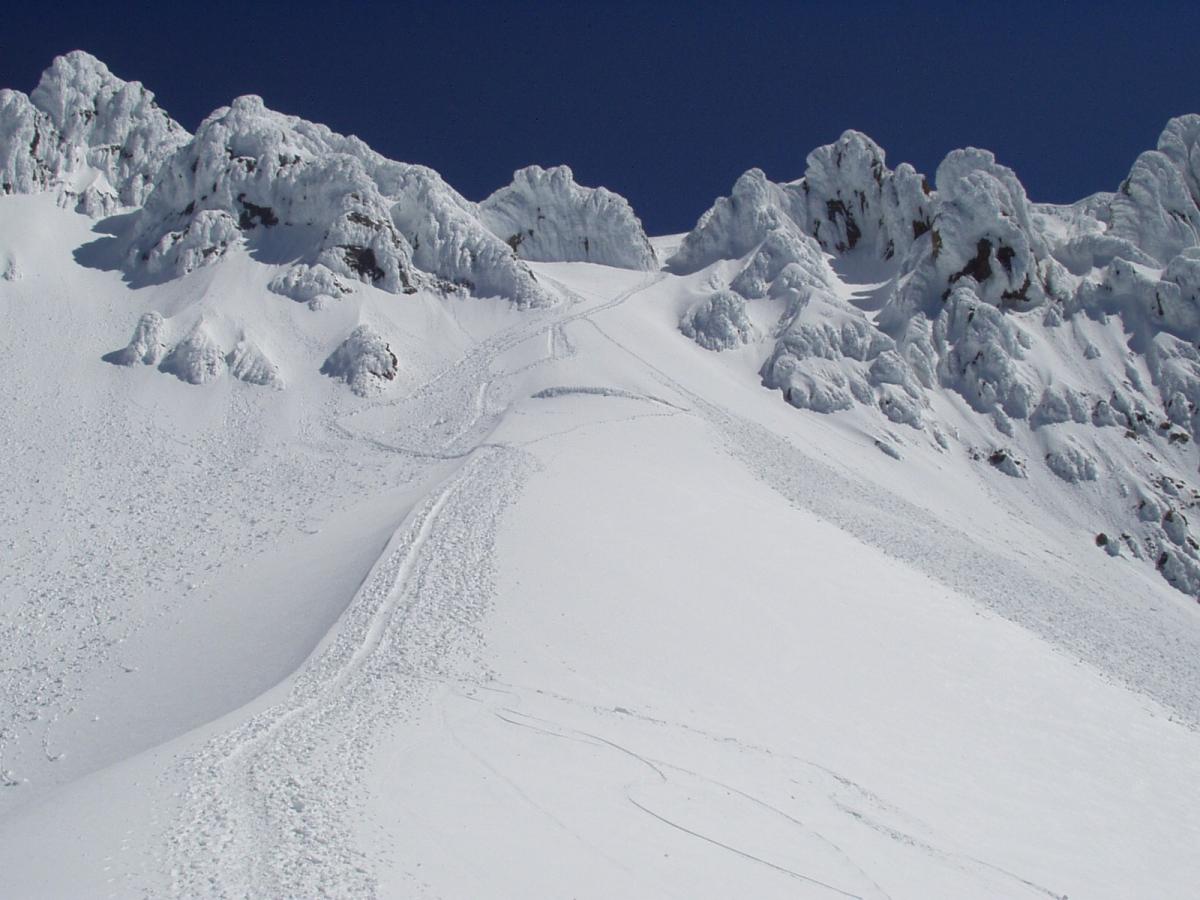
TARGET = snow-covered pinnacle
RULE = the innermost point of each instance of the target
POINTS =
(84, 133)
(295, 190)
(852, 201)
(545, 216)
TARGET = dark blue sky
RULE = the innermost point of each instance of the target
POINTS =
(666, 103)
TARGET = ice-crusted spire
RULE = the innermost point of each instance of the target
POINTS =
(86, 134)
(545, 215)
(852, 201)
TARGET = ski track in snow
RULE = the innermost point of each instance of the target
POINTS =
(287, 777)
(823, 788)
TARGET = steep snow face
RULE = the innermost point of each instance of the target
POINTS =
(84, 133)
(545, 216)
(1072, 330)
(737, 224)
(294, 190)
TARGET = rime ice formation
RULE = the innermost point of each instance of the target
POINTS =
(95, 140)
(719, 322)
(544, 215)
(993, 298)
(364, 361)
(847, 200)
(196, 359)
(147, 346)
(293, 190)
(248, 362)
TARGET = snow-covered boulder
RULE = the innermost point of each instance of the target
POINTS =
(545, 216)
(147, 346)
(719, 322)
(1072, 463)
(364, 361)
(82, 132)
(196, 359)
(249, 363)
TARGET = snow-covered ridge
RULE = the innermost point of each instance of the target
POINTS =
(294, 190)
(86, 135)
(1072, 329)
(296, 193)
(544, 215)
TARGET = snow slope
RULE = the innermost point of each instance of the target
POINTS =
(410, 590)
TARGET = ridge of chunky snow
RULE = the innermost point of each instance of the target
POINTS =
(847, 200)
(84, 133)
(294, 190)
(544, 215)
(983, 292)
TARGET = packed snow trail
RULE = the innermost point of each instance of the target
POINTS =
(286, 778)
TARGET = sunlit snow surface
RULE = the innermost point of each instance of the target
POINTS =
(569, 606)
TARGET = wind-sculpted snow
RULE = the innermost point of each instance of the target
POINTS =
(544, 215)
(293, 190)
(95, 140)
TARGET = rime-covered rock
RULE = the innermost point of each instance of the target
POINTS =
(196, 359)
(545, 216)
(309, 284)
(147, 346)
(291, 189)
(719, 322)
(249, 363)
(83, 133)
(364, 361)
(852, 201)
(1070, 462)
(848, 200)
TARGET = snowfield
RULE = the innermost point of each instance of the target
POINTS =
(355, 546)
